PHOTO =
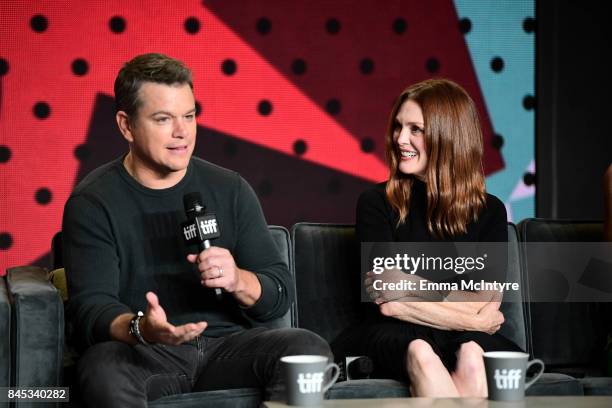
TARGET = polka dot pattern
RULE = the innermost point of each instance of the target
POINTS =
(529, 102)
(529, 179)
(291, 71)
(300, 147)
(5, 154)
(42, 110)
(529, 25)
(497, 64)
(43, 196)
(39, 23)
(399, 25)
(117, 24)
(298, 66)
(80, 67)
(6, 241)
(4, 67)
(333, 107)
(465, 25)
(192, 25)
(366, 66)
(229, 67)
(82, 152)
(503, 53)
(332, 26)
(264, 108)
(432, 65)
(263, 26)
(497, 141)
(367, 145)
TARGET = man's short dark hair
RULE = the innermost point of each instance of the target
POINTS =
(157, 68)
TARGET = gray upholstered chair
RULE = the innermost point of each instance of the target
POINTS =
(327, 267)
(570, 337)
(40, 341)
(37, 332)
(5, 336)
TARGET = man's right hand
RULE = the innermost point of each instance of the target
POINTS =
(155, 328)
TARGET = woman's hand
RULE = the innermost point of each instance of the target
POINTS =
(489, 319)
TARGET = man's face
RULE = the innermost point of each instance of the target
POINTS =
(163, 132)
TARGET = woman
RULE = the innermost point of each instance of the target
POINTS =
(435, 192)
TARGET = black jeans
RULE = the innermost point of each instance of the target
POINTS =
(115, 374)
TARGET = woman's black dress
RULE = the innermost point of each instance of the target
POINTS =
(385, 339)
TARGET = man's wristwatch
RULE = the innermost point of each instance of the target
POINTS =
(135, 328)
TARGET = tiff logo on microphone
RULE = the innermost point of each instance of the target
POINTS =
(507, 379)
(310, 382)
(189, 231)
(208, 226)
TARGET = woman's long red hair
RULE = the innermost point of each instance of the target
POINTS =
(454, 174)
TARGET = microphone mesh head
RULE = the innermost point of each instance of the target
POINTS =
(193, 203)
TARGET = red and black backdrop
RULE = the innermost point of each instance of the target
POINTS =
(294, 95)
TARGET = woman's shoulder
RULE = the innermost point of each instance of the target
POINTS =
(374, 196)
(492, 222)
(375, 191)
(374, 199)
(494, 207)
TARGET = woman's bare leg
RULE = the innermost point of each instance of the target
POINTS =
(428, 376)
(469, 377)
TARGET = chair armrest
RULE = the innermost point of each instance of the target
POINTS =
(5, 335)
(38, 328)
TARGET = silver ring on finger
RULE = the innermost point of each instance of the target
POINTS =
(220, 272)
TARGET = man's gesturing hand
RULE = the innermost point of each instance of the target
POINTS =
(155, 328)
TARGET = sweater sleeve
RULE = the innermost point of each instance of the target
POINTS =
(92, 270)
(256, 251)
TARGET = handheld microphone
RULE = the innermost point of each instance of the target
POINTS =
(200, 227)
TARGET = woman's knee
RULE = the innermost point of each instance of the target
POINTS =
(471, 349)
(469, 359)
(421, 357)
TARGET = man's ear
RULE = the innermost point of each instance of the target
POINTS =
(123, 121)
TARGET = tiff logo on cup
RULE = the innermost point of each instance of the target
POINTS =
(507, 379)
(310, 382)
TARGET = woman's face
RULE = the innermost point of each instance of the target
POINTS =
(408, 134)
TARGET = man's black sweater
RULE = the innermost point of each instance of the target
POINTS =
(122, 239)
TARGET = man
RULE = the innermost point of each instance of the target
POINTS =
(124, 254)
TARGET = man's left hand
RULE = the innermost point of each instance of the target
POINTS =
(217, 269)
